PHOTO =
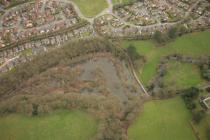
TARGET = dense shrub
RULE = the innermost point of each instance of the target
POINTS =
(198, 116)
(205, 69)
(132, 52)
(172, 33)
(208, 89)
(189, 95)
(35, 110)
(160, 37)
(138, 60)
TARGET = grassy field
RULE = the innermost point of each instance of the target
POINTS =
(14, 3)
(202, 127)
(208, 101)
(65, 125)
(195, 44)
(162, 120)
(121, 1)
(182, 75)
(91, 8)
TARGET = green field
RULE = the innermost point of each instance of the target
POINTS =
(65, 125)
(14, 3)
(121, 1)
(202, 127)
(90, 8)
(182, 75)
(195, 44)
(208, 101)
(162, 120)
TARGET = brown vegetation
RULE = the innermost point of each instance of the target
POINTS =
(48, 83)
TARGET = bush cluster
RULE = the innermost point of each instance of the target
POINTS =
(189, 96)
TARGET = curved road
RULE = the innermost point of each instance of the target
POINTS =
(109, 10)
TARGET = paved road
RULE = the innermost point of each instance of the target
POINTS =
(108, 10)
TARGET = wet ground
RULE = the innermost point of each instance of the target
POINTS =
(100, 74)
(109, 75)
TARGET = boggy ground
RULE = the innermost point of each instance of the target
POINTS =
(98, 81)
(99, 74)
(111, 76)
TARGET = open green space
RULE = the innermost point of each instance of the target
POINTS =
(182, 75)
(90, 8)
(194, 44)
(122, 1)
(14, 3)
(208, 101)
(65, 125)
(28, 51)
(205, 122)
(202, 127)
(162, 120)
